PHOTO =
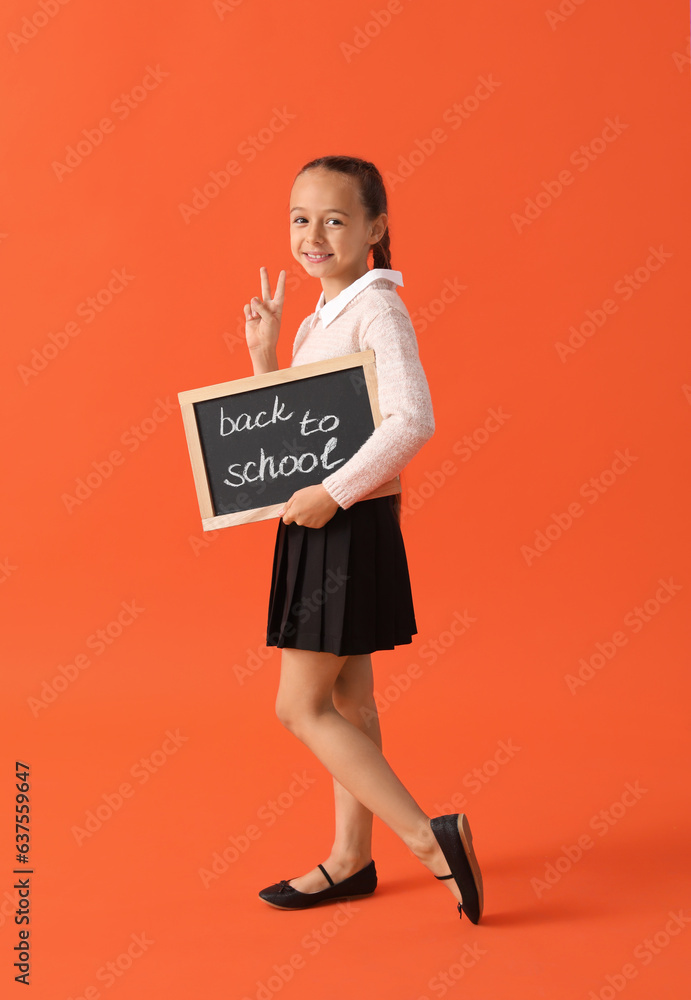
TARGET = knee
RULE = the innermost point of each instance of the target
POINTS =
(300, 715)
(295, 714)
(287, 713)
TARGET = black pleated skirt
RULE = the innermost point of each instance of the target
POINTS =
(343, 588)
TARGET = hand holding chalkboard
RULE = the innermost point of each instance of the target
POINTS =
(263, 317)
(312, 507)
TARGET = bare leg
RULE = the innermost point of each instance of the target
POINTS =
(353, 697)
(304, 705)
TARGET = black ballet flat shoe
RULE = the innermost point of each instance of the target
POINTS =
(285, 897)
(453, 835)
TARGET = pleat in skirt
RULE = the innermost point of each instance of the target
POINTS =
(343, 588)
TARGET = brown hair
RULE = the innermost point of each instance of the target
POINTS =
(374, 201)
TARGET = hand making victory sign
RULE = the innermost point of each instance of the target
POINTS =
(311, 506)
(263, 320)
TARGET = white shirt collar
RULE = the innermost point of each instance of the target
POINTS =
(328, 311)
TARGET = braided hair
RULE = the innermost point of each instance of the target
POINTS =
(374, 201)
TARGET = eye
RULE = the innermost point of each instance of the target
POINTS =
(301, 218)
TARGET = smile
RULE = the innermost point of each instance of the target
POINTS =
(317, 257)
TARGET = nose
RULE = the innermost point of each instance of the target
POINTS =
(314, 236)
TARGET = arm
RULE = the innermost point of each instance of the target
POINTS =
(264, 361)
(405, 405)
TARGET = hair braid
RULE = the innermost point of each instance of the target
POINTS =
(381, 251)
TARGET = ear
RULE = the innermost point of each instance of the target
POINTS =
(378, 228)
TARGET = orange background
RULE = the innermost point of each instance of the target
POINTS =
(201, 598)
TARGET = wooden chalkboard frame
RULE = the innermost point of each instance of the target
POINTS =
(187, 399)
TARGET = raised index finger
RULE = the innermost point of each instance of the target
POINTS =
(266, 287)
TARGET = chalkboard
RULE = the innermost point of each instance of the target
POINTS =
(253, 442)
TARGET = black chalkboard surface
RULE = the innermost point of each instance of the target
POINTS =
(253, 442)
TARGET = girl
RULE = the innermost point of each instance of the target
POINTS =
(340, 587)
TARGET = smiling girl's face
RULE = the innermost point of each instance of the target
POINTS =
(329, 233)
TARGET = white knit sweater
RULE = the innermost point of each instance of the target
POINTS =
(370, 314)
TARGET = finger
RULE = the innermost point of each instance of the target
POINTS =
(266, 287)
(280, 289)
(260, 308)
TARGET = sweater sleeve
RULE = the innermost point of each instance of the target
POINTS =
(405, 406)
